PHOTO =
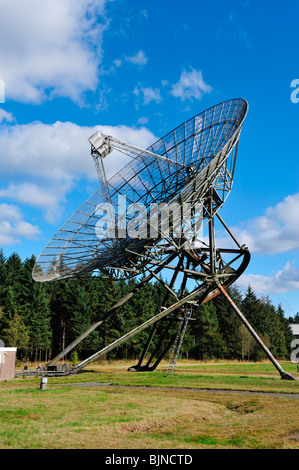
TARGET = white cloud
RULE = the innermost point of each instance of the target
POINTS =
(6, 116)
(12, 226)
(50, 47)
(190, 85)
(37, 196)
(49, 159)
(58, 152)
(277, 231)
(148, 94)
(51, 152)
(10, 212)
(138, 59)
(117, 62)
(286, 280)
(143, 120)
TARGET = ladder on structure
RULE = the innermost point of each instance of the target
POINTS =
(179, 339)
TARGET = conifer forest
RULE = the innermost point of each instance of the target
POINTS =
(40, 319)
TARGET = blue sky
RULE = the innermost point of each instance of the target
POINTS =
(137, 69)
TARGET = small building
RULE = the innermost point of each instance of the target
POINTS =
(7, 363)
(295, 329)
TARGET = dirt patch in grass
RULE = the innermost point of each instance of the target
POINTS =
(200, 411)
(294, 436)
(244, 407)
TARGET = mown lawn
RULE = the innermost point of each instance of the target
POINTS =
(143, 416)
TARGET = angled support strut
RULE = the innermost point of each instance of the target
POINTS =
(284, 375)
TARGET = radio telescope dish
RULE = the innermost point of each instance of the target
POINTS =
(120, 231)
(179, 167)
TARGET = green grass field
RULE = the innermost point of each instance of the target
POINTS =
(152, 411)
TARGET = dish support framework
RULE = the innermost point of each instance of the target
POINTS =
(211, 274)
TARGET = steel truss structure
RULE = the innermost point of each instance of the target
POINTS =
(191, 166)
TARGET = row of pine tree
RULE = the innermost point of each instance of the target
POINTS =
(40, 319)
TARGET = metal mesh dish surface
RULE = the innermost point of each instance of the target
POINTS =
(196, 155)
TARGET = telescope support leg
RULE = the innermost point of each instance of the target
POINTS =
(284, 375)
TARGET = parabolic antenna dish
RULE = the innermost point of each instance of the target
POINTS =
(180, 168)
(120, 230)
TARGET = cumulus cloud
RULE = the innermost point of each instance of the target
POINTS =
(276, 231)
(6, 116)
(52, 152)
(117, 62)
(36, 196)
(13, 227)
(51, 47)
(50, 158)
(191, 85)
(147, 94)
(138, 59)
(143, 120)
(10, 212)
(286, 280)
(60, 151)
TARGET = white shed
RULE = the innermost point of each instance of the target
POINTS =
(295, 329)
(7, 363)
